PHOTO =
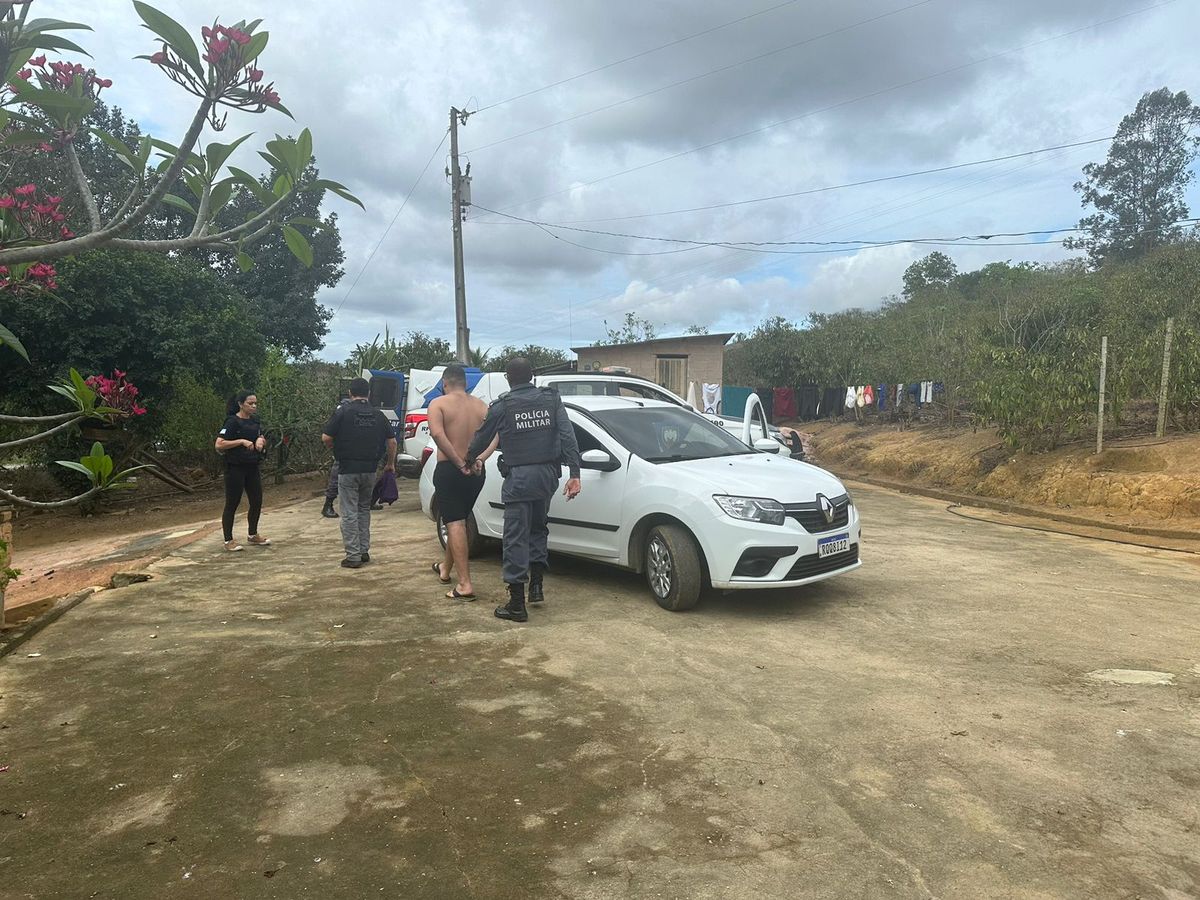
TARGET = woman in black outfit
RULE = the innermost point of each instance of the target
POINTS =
(241, 441)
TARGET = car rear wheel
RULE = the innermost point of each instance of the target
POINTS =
(674, 570)
(474, 541)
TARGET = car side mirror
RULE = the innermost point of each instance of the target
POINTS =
(767, 445)
(600, 460)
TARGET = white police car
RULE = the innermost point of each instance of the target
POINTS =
(669, 494)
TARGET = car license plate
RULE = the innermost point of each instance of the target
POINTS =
(837, 543)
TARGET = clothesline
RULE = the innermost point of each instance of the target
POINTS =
(813, 401)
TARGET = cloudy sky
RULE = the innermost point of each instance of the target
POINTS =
(795, 96)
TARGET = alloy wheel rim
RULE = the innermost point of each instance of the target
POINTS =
(660, 568)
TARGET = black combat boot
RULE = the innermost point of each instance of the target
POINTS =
(514, 609)
(535, 584)
(328, 511)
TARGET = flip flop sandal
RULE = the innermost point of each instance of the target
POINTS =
(437, 570)
(453, 594)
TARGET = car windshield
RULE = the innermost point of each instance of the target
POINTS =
(665, 434)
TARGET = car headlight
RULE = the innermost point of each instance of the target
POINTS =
(751, 509)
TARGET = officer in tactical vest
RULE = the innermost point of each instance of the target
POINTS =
(536, 439)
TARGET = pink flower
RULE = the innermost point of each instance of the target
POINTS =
(158, 58)
(25, 190)
(66, 234)
(38, 61)
(6, 202)
(255, 75)
(54, 201)
(45, 148)
(24, 74)
(270, 96)
(104, 82)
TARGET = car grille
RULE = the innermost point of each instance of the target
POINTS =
(811, 566)
(810, 516)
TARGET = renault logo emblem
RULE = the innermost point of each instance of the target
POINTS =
(826, 508)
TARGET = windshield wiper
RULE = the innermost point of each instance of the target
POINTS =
(678, 457)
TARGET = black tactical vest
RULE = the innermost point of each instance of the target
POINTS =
(529, 427)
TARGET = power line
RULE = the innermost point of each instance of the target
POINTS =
(638, 55)
(690, 79)
(842, 103)
(838, 187)
(379, 243)
(839, 246)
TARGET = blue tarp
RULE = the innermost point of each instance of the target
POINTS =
(473, 376)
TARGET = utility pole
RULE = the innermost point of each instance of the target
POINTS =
(1103, 380)
(1161, 430)
(459, 200)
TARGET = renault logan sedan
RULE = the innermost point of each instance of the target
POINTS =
(671, 495)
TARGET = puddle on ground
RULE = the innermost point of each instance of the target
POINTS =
(1131, 676)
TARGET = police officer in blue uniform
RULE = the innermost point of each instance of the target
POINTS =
(536, 439)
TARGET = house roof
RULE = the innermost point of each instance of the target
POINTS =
(723, 338)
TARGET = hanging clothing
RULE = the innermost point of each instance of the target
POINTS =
(882, 393)
(785, 406)
(712, 398)
(868, 395)
(899, 396)
(914, 394)
(859, 397)
(808, 399)
(691, 396)
(734, 400)
(851, 398)
(831, 403)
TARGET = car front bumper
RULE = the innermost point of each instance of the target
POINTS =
(729, 541)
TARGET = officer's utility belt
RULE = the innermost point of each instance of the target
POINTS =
(505, 468)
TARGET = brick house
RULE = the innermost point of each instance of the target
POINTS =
(670, 362)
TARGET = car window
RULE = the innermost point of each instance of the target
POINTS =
(662, 434)
(580, 388)
(586, 441)
(644, 392)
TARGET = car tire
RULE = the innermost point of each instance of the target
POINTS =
(674, 569)
(474, 541)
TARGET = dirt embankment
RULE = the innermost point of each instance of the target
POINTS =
(1138, 481)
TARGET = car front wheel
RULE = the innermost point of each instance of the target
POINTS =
(674, 569)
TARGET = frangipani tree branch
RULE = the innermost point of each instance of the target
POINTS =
(85, 190)
(96, 239)
(206, 240)
(50, 504)
(41, 435)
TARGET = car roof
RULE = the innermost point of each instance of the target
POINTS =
(596, 376)
(598, 403)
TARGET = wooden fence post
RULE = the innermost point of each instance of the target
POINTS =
(5, 552)
(1103, 378)
(1166, 374)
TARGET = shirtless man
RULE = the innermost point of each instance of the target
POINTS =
(453, 420)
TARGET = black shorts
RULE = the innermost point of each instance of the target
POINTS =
(456, 493)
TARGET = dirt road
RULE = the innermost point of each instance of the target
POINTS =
(940, 723)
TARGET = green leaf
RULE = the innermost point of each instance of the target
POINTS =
(8, 339)
(282, 185)
(258, 43)
(304, 148)
(65, 391)
(97, 451)
(245, 263)
(324, 184)
(217, 154)
(249, 181)
(55, 43)
(178, 202)
(221, 193)
(54, 25)
(306, 221)
(78, 467)
(173, 33)
(115, 144)
(194, 162)
(195, 184)
(116, 480)
(299, 245)
(54, 103)
(24, 139)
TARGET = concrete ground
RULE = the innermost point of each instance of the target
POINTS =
(940, 723)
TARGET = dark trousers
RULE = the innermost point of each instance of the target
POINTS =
(239, 480)
(331, 487)
(526, 494)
